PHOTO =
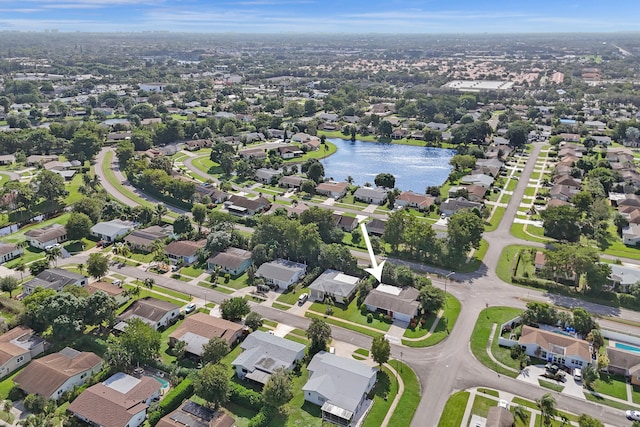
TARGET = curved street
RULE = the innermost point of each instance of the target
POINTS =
(450, 365)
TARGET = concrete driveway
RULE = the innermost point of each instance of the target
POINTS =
(531, 374)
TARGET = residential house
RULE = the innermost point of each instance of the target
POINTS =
(631, 235)
(253, 153)
(339, 286)
(109, 231)
(9, 251)
(312, 145)
(292, 181)
(563, 192)
(290, 151)
(116, 292)
(152, 87)
(196, 330)
(54, 374)
(46, 236)
(539, 261)
(118, 136)
(437, 126)
(301, 137)
(336, 190)
(570, 137)
(623, 362)
(54, 278)
(17, 347)
(340, 387)
(263, 353)
(120, 401)
(193, 414)
(475, 193)
(240, 205)
(234, 261)
(197, 144)
(629, 200)
(216, 195)
(376, 227)
(370, 195)
(184, 251)
(142, 239)
(553, 347)
(344, 222)
(154, 312)
(35, 159)
(619, 154)
(252, 137)
(622, 277)
(7, 159)
(451, 206)
(567, 181)
(281, 272)
(414, 200)
(482, 180)
(399, 134)
(399, 303)
(295, 209)
(268, 175)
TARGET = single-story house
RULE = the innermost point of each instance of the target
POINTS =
(9, 251)
(35, 159)
(333, 189)
(52, 375)
(193, 414)
(539, 261)
(54, 278)
(120, 401)
(451, 206)
(556, 348)
(253, 153)
(375, 196)
(335, 284)
(267, 175)
(631, 234)
(263, 353)
(117, 292)
(292, 181)
(142, 239)
(46, 236)
(196, 330)
(345, 222)
(485, 181)
(281, 272)
(17, 347)
(376, 227)
(475, 193)
(197, 144)
(414, 200)
(234, 261)
(240, 205)
(7, 159)
(154, 312)
(399, 303)
(184, 250)
(339, 386)
(109, 231)
(622, 277)
(623, 362)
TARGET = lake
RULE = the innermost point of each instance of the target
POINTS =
(415, 168)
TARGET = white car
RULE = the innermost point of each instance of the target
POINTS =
(189, 308)
(503, 404)
(633, 415)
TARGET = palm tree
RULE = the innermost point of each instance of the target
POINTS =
(521, 413)
(149, 282)
(21, 268)
(81, 268)
(53, 254)
(7, 405)
(160, 211)
(547, 405)
(134, 292)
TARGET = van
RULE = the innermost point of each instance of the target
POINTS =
(577, 374)
(302, 298)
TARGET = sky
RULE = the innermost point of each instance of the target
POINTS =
(322, 16)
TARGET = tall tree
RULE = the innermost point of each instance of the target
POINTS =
(319, 333)
(50, 186)
(9, 284)
(97, 265)
(141, 340)
(465, 232)
(199, 212)
(234, 308)
(212, 384)
(380, 349)
(182, 225)
(214, 350)
(279, 388)
(386, 180)
(78, 226)
(561, 222)
(547, 405)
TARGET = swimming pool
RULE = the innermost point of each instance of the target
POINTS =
(165, 383)
(627, 347)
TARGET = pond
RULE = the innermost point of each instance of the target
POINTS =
(414, 168)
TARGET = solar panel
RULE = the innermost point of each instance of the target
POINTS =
(188, 420)
(199, 411)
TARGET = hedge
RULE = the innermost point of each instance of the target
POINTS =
(172, 401)
(245, 397)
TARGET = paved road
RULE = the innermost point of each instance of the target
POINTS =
(450, 366)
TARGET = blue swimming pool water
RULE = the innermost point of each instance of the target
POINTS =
(627, 347)
(165, 383)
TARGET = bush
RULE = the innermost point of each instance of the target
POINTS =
(388, 318)
(329, 311)
(369, 317)
(245, 397)
(363, 307)
(175, 276)
(227, 278)
(15, 394)
(262, 418)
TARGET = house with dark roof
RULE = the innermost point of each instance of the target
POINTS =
(281, 272)
(399, 303)
(623, 362)
(116, 292)
(196, 330)
(17, 347)
(234, 261)
(268, 175)
(240, 205)
(451, 206)
(46, 236)
(195, 415)
(553, 347)
(185, 251)
(154, 312)
(499, 417)
(54, 278)
(482, 180)
(344, 222)
(376, 227)
(263, 353)
(340, 387)
(52, 375)
(119, 401)
(376, 196)
(292, 181)
(143, 239)
(9, 251)
(335, 284)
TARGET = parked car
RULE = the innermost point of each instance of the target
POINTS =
(633, 415)
(303, 298)
(117, 282)
(189, 308)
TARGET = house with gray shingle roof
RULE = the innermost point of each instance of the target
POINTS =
(371, 195)
(334, 284)
(281, 272)
(263, 353)
(54, 278)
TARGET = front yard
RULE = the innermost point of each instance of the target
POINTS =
(352, 313)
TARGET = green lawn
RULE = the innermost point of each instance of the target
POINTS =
(517, 230)
(489, 392)
(30, 254)
(512, 184)
(386, 386)
(192, 271)
(352, 313)
(454, 410)
(279, 306)
(506, 261)
(445, 325)
(205, 165)
(481, 332)
(336, 322)
(481, 405)
(495, 219)
(551, 385)
(144, 292)
(7, 384)
(611, 385)
(291, 297)
(408, 404)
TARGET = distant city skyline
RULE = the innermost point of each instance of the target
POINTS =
(321, 16)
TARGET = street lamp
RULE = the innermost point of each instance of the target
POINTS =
(446, 278)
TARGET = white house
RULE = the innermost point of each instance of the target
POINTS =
(399, 303)
(47, 236)
(336, 190)
(17, 347)
(121, 400)
(339, 386)
(553, 347)
(631, 234)
(375, 196)
(154, 312)
(9, 251)
(281, 272)
(334, 284)
(152, 87)
(56, 373)
(109, 231)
